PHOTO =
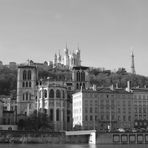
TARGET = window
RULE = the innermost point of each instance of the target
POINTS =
(78, 76)
(24, 74)
(26, 84)
(58, 93)
(129, 118)
(26, 96)
(91, 118)
(29, 96)
(45, 93)
(96, 109)
(86, 118)
(84, 85)
(107, 117)
(68, 119)
(23, 96)
(23, 85)
(29, 84)
(51, 93)
(63, 94)
(77, 86)
(91, 110)
(29, 75)
(102, 117)
(51, 114)
(95, 118)
(82, 76)
(124, 118)
(57, 115)
(86, 111)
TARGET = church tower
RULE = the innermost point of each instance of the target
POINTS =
(133, 64)
(26, 89)
(80, 77)
(66, 57)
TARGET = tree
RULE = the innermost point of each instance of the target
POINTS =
(37, 121)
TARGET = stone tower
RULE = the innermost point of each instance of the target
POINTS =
(133, 64)
(26, 89)
(80, 77)
(66, 57)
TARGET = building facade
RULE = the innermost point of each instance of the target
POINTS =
(103, 109)
(26, 89)
(80, 77)
(52, 99)
(140, 96)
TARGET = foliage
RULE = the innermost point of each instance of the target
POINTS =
(36, 121)
(8, 81)
(98, 76)
(103, 79)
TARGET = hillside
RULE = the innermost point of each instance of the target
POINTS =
(8, 78)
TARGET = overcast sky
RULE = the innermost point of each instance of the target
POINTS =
(104, 29)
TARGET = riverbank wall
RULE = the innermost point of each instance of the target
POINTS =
(122, 138)
(32, 137)
(61, 138)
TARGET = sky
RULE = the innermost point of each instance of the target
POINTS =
(104, 30)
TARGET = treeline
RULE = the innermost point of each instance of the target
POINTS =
(105, 78)
(8, 81)
(100, 77)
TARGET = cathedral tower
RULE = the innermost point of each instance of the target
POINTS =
(80, 77)
(26, 89)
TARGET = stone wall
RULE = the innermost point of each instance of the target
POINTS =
(31, 137)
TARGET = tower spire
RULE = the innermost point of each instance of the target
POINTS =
(133, 63)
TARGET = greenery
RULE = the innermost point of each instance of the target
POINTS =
(100, 77)
(105, 78)
(8, 81)
(37, 121)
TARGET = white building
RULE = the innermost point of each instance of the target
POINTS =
(52, 99)
(69, 60)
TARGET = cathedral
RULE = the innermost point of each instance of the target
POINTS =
(69, 60)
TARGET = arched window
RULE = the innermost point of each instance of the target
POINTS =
(77, 86)
(24, 74)
(51, 114)
(26, 84)
(23, 84)
(23, 96)
(82, 76)
(58, 93)
(57, 115)
(80, 85)
(45, 93)
(84, 85)
(63, 94)
(30, 84)
(78, 76)
(29, 75)
(29, 96)
(51, 93)
(26, 95)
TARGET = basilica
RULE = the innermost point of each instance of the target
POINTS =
(69, 60)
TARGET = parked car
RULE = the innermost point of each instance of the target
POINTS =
(121, 130)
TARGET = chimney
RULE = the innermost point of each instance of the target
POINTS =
(112, 87)
(94, 87)
(128, 89)
(117, 86)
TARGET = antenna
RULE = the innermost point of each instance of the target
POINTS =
(132, 62)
